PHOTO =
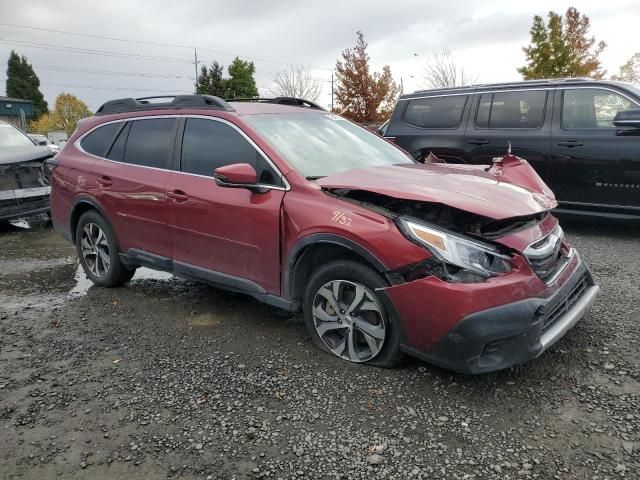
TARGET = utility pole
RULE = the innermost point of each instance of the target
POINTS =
(332, 91)
(401, 86)
(195, 64)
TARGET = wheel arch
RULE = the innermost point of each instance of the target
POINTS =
(81, 205)
(316, 249)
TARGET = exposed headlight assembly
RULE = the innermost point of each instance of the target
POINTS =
(473, 258)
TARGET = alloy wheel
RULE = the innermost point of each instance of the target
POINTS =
(95, 250)
(349, 320)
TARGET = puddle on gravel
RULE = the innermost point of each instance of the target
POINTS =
(83, 284)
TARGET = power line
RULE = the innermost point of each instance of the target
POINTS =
(89, 51)
(160, 44)
(108, 72)
(126, 89)
(101, 37)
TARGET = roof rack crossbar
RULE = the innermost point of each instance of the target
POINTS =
(122, 105)
(291, 101)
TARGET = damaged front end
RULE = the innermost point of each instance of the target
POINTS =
(471, 219)
(24, 182)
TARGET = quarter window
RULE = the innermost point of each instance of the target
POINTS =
(149, 142)
(518, 109)
(98, 142)
(209, 144)
(587, 108)
(436, 112)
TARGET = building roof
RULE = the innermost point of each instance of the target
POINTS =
(14, 100)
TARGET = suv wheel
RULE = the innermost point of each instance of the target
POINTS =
(98, 251)
(347, 317)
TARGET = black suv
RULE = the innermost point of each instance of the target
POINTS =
(581, 135)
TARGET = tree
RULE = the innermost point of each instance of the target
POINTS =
(210, 81)
(630, 71)
(361, 95)
(22, 82)
(441, 71)
(298, 83)
(562, 48)
(241, 83)
(67, 112)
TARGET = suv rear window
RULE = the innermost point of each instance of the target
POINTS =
(436, 112)
(149, 142)
(98, 142)
(518, 109)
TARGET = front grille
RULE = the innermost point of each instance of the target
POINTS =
(562, 307)
(15, 208)
(546, 254)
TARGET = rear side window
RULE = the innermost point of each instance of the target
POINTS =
(518, 109)
(117, 149)
(209, 144)
(436, 112)
(149, 142)
(98, 142)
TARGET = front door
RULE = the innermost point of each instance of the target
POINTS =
(232, 231)
(593, 162)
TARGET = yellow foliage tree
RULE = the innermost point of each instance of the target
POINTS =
(67, 112)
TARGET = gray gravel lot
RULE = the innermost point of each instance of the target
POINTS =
(167, 378)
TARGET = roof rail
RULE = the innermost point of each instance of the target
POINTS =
(291, 101)
(151, 103)
(541, 81)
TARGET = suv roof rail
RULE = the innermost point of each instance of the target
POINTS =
(541, 81)
(291, 101)
(122, 105)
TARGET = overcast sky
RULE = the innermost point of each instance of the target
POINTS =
(486, 37)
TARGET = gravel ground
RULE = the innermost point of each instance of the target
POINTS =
(167, 378)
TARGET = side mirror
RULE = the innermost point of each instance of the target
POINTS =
(236, 175)
(42, 143)
(627, 118)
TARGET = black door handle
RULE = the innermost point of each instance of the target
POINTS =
(479, 141)
(571, 144)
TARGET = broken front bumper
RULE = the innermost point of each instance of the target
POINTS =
(506, 334)
(24, 202)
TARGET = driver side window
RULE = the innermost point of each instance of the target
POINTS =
(589, 108)
(209, 144)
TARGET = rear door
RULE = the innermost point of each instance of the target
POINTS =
(519, 117)
(594, 163)
(130, 184)
(232, 231)
(433, 124)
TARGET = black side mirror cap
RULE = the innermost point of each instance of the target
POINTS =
(627, 118)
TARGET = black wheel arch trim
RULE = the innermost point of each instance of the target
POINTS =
(324, 238)
(90, 201)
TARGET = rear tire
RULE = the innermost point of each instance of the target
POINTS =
(98, 251)
(347, 317)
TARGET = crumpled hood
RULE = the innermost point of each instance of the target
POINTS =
(23, 154)
(465, 187)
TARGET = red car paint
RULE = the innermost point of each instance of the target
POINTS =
(258, 236)
(464, 187)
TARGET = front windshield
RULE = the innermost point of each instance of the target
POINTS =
(10, 136)
(317, 145)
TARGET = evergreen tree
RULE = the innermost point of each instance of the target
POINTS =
(210, 81)
(22, 82)
(562, 48)
(241, 83)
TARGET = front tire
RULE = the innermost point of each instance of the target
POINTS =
(97, 249)
(347, 317)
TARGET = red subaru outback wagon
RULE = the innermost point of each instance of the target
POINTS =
(463, 266)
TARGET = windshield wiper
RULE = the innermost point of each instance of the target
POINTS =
(315, 177)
